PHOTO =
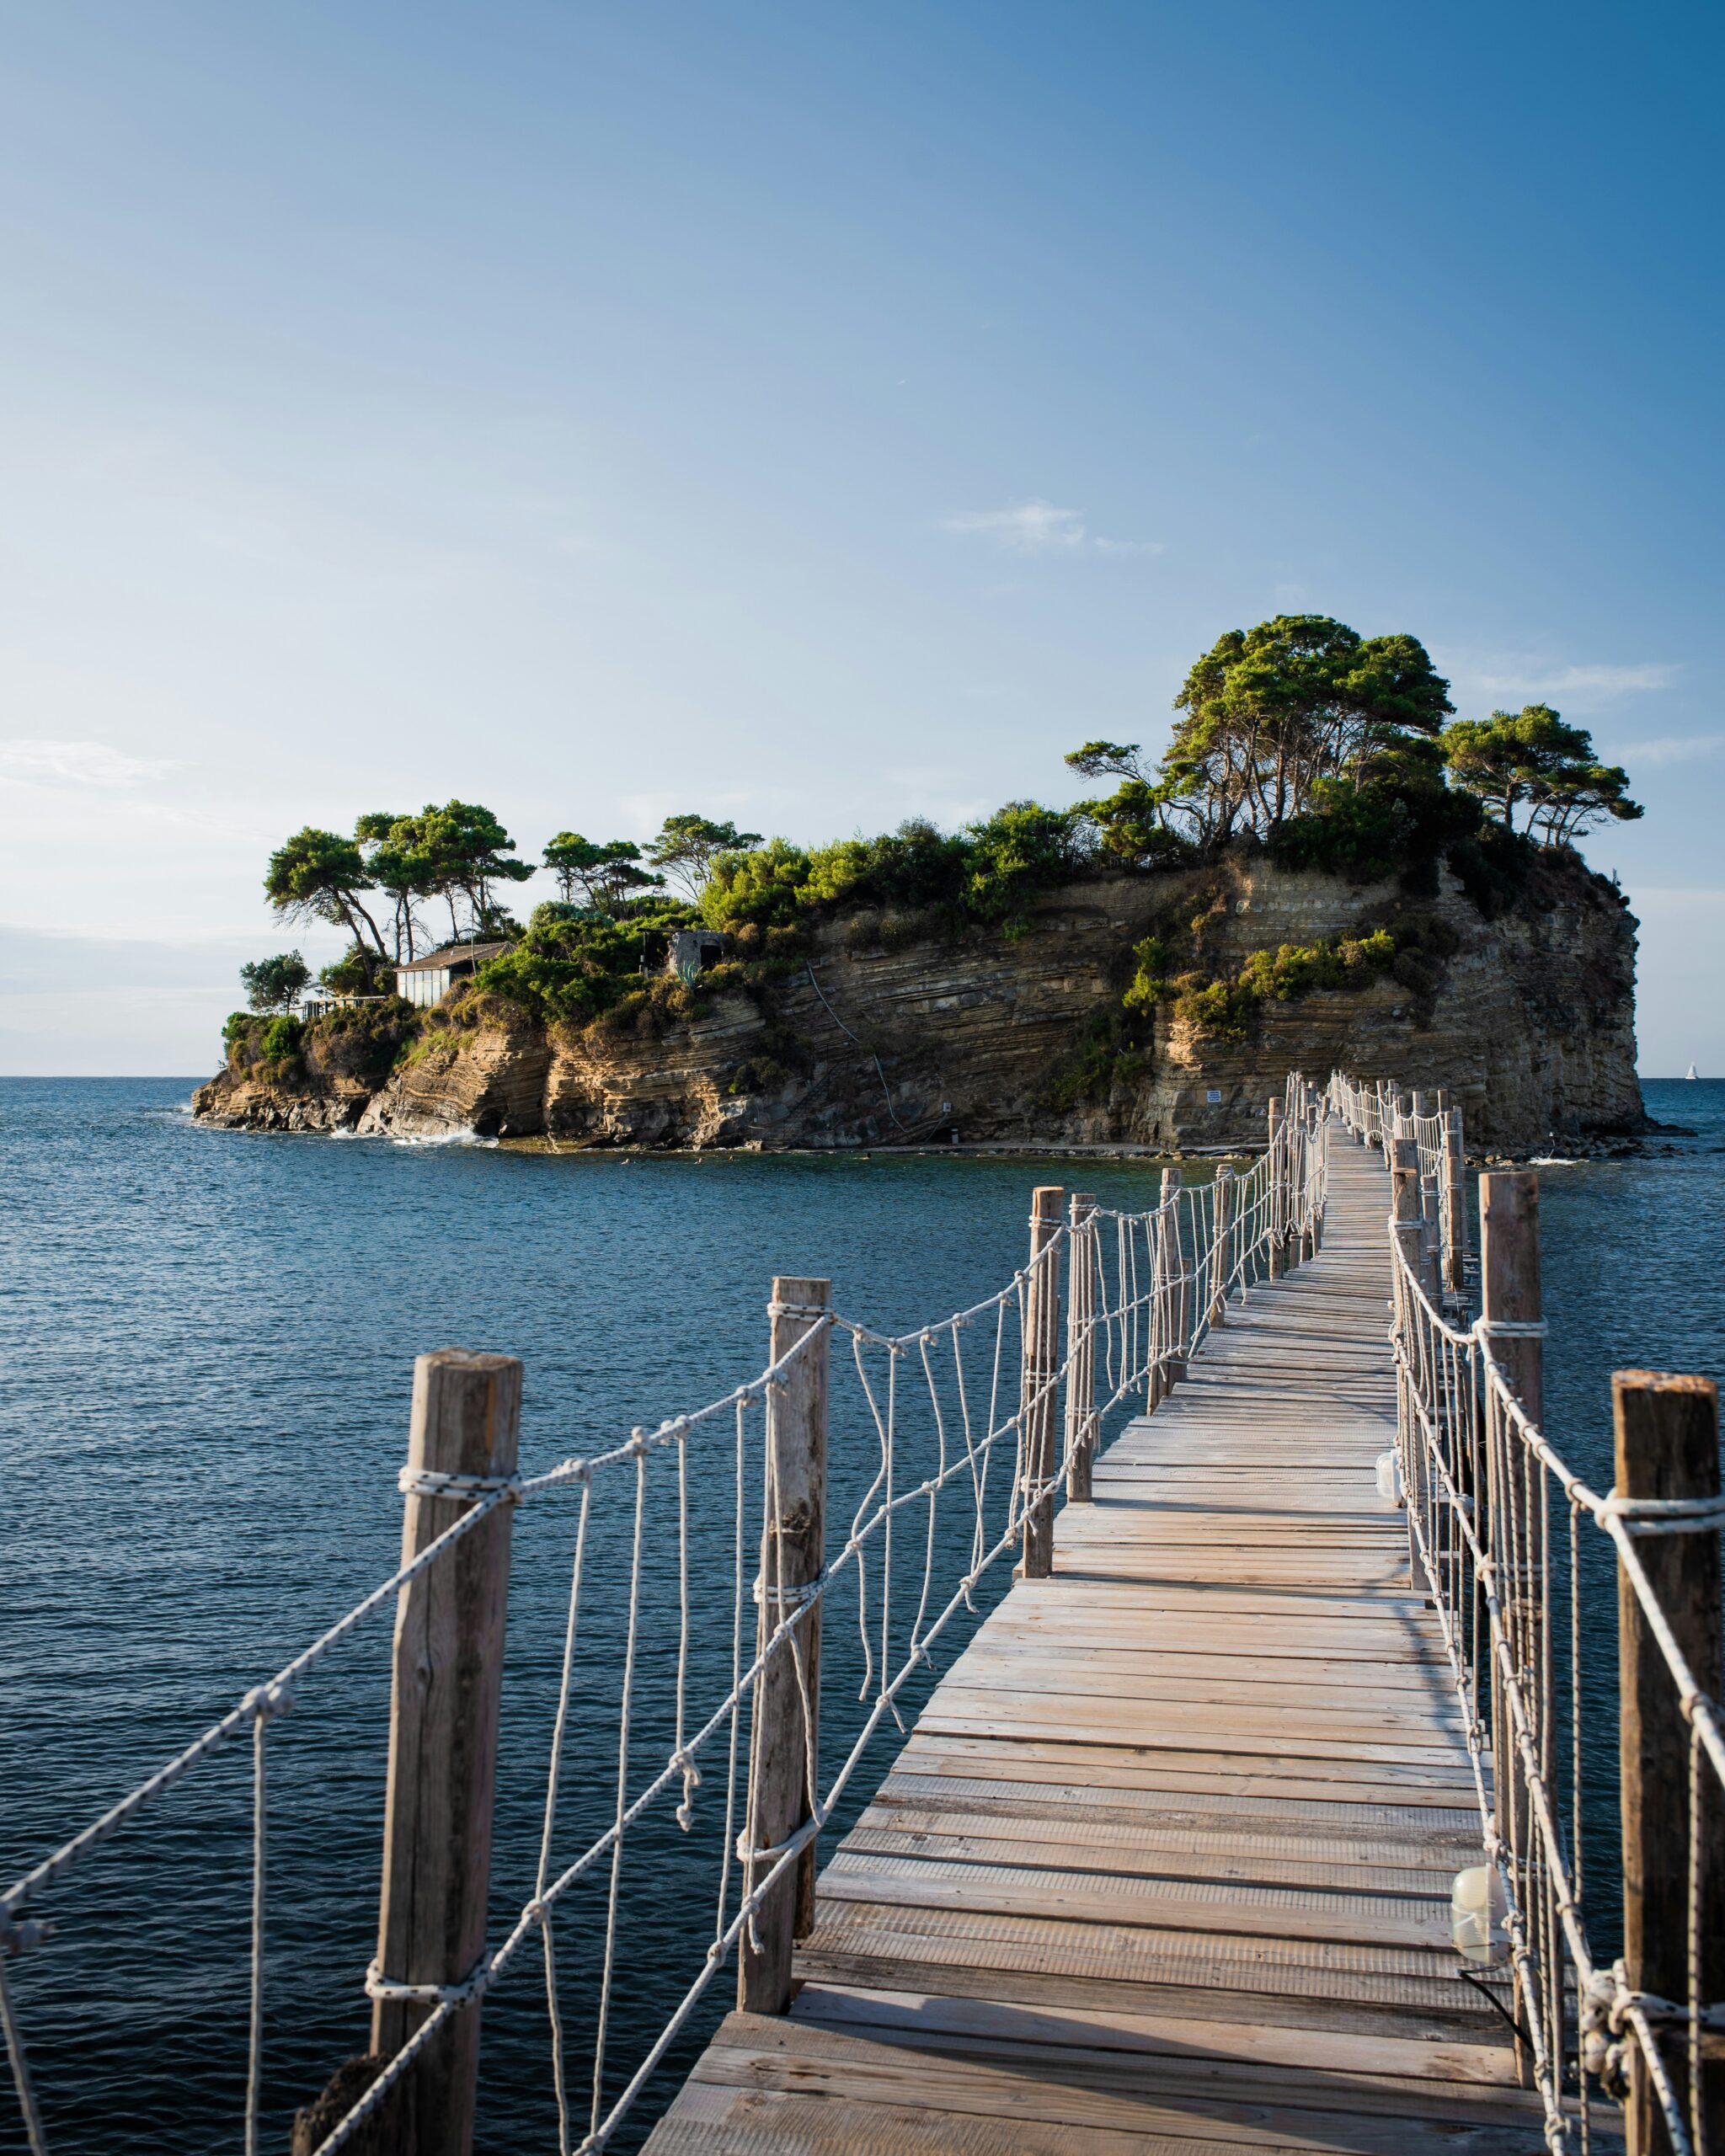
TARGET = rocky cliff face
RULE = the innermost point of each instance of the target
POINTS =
(879, 1039)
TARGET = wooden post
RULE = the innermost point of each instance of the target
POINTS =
(1081, 1352)
(1042, 1334)
(1509, 1294)
(448, 1672)
(793, 1550)
(1176, 1299)
(1509, 1279)
(1404, 1203)
(1278, 1198)
(1312, 1234)
(1222, 1243)
(1430, 1263)
(1668, 1446)
(1456, 1193)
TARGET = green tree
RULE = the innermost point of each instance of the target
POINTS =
(275, 983)
(605, 875)
(318, 876)
(1532, 758)
(687, 847)
(1133, 822)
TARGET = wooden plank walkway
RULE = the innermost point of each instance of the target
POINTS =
(1166, 1864)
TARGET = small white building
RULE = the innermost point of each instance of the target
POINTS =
(425, 981)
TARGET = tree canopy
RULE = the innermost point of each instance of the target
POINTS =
(1330, 748)
(458, 854)
(1273, 717)
(1532, 758)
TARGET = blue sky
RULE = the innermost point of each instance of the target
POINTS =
(815, 415)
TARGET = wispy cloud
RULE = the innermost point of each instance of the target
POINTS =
(1669, 748)
(1038, 527)
(1521, 679)
(75, 763)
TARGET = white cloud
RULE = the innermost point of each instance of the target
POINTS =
(1038, 527)
(75, 763)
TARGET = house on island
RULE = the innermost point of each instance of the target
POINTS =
(425, 981)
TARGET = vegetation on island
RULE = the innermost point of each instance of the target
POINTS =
(1298, 738)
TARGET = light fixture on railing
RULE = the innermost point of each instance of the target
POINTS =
(1478, 1907)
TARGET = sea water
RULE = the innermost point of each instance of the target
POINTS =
(208, 1340)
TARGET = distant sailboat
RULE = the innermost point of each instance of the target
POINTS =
(1692, 1072)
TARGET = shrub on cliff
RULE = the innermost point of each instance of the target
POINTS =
(358, 972)
(1222, 1008)
(267, 1049)
(991, 871)
(359, 1040)
(574, 964)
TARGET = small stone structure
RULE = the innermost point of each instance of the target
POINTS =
(684, 952)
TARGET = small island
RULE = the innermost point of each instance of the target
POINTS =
(1326, 867)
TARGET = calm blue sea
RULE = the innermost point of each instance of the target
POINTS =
(208, 1340)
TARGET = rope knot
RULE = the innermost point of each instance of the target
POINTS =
(432, 1482)
(790, 1595)
(1653, 1516)
(388, 1989)
(264, 1702)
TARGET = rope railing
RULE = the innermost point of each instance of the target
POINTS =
(960, 1436)
(1495, 1520)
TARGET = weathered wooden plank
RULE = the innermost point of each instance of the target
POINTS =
(1149, 1766)
(969, 1781)
(1095, 2087)
(1313, 1969)
(1073, 1842)
(1202, 1905)
(1043, 2021)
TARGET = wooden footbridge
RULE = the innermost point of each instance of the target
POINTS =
(1167, 1863)
(1249, 1817)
